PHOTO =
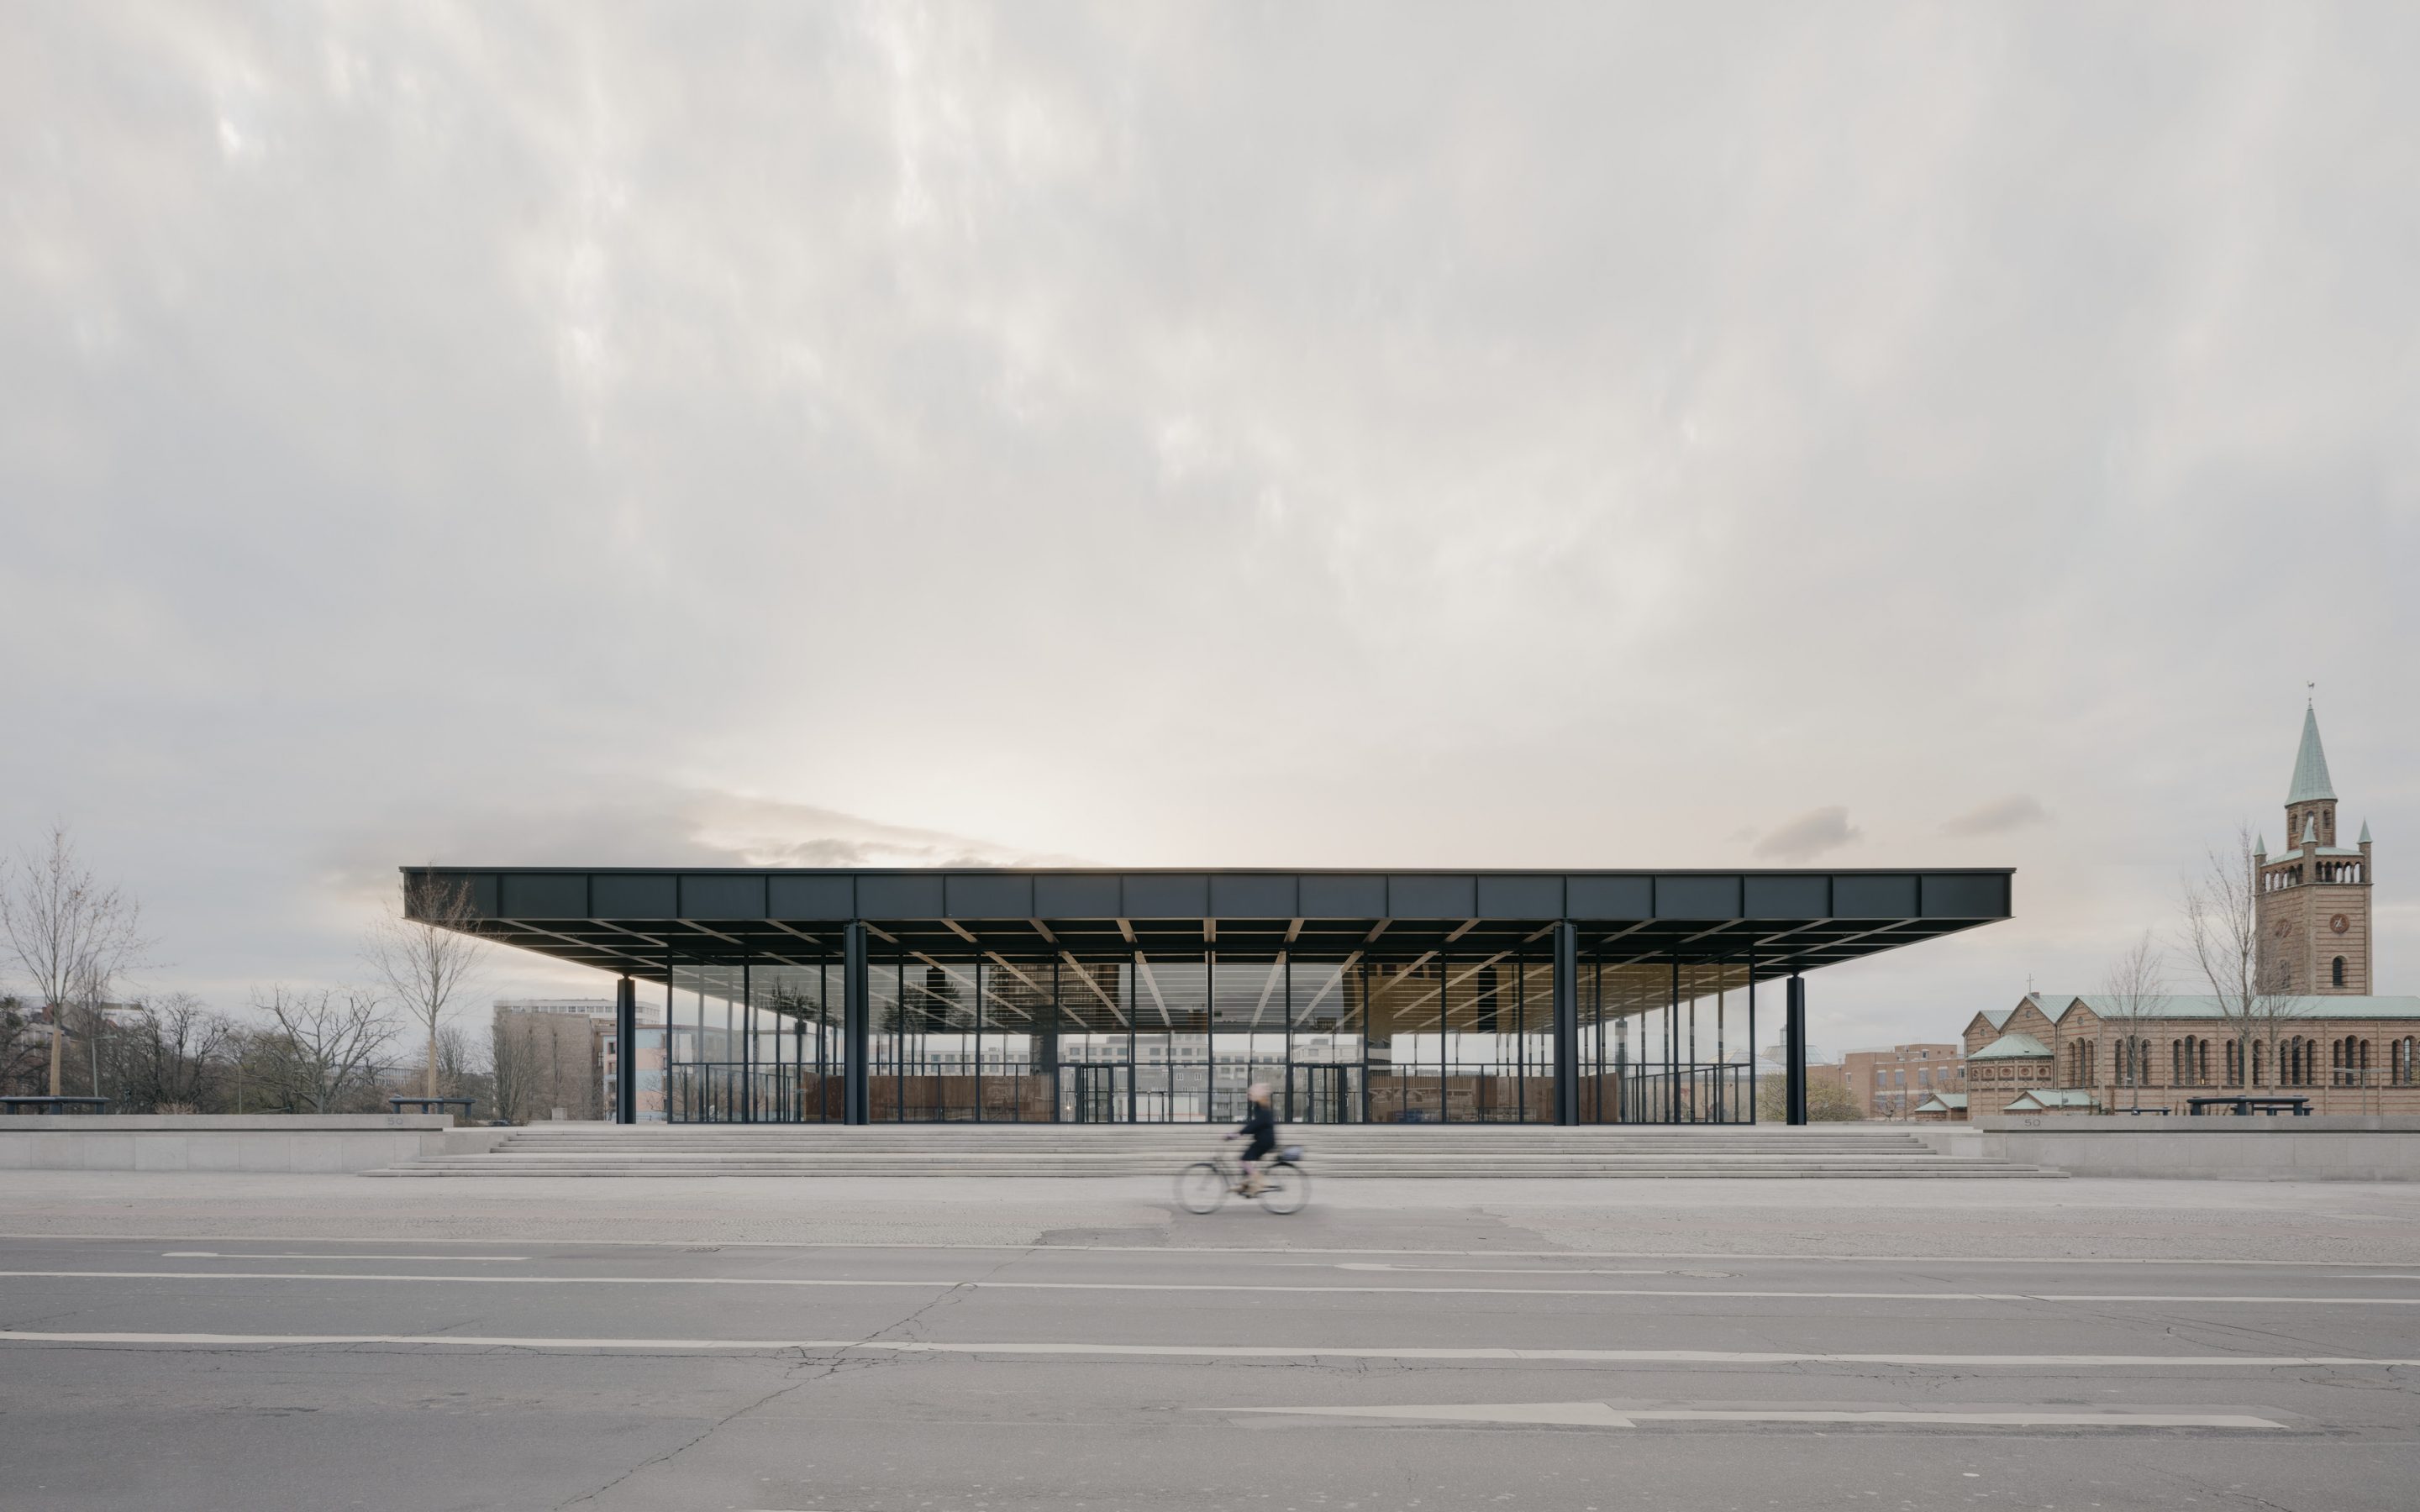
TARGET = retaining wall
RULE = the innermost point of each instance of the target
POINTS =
(235, 1142)
(2322, 1147)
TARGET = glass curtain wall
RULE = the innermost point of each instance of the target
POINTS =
(1665, 1043)
(956, 1039)
(1161, 1038)
(1462, 1038)
(753, 1041)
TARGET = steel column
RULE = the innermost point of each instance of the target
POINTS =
(625, 1051)
(855, 997)
(1793, 1036)
(1567, 1023)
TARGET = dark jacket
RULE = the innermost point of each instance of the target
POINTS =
(1259, 1122)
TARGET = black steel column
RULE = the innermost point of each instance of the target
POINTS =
(1754, 1049)
(854, 996)
(625, 1051)
(1567, 1023)
(1793, 1038)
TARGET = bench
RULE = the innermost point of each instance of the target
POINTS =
(2247, 1105)
(430, 1105)
(54, 1104)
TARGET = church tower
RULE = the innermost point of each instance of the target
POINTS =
(2313, 896)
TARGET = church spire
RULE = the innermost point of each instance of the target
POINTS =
(2311, 766)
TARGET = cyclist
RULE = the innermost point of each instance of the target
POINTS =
(1261, 1126)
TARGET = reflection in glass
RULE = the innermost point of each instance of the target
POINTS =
(1164, 1037)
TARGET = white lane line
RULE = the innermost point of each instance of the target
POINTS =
(303, 1255)
(1698, 1295)
(1604, 1415)
(1527, 1270)
(1222, 1249)
(1249, 1352)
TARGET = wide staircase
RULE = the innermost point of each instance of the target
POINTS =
(1160, 1150)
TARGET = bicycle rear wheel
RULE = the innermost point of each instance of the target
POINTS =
(1200, 1188)
(1288, 1188)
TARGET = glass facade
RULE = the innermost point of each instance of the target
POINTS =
(752, 1041)
(1667, 1042)
(1437, 1036)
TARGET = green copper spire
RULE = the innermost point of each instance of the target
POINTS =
(2364, 832)
(2311, 764)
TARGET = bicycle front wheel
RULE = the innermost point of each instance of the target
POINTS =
(1201, 1188)
(1288, 1189)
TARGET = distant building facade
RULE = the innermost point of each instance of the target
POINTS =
(2315, 1029)
(2056, 1053)
(551, 1055)
(1895, 1083)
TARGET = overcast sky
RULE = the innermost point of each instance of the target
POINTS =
(1587, 436)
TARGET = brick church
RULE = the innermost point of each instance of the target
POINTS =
(2316, 1030)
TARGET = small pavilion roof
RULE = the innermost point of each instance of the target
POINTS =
(2015, 1045)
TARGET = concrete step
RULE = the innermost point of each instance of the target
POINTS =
(1941, 1170)
(1506, 1152)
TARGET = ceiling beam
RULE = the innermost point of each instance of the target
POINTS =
(1106, 1001)
(1343, 967)
(1277, 974)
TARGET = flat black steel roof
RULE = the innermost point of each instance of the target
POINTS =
(632, 919)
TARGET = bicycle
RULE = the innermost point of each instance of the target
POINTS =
(1285, 1187)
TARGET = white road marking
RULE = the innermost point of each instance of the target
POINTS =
(1218, 1249)
(1250, 1352)
(1603, 1414)
(1526, 1270)
(301, 1255)
(1699, 1294)
(1556, 1414)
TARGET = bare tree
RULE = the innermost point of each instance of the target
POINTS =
(168, 1060)
(21, 1053)
(323, 1044)
(2131, 997)
(2222, 931)
(71, 935)
(463, 1060)
(427, 950)
(511, 1065)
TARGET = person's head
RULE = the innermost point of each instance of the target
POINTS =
(1258, 1091)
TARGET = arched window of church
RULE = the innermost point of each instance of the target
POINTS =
(2339, 971)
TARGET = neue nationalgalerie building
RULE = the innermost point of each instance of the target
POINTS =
(1156, 996)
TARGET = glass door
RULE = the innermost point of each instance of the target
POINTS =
(1092, 1094)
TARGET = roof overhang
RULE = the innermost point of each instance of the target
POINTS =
(634, 921)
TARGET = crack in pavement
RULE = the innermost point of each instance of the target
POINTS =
(831, 1369)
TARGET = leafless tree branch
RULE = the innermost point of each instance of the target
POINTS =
(428, 951)
(72, 936)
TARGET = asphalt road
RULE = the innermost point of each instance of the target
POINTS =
(176, 1373)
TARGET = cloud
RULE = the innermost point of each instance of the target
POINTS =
(642, 824)
(2014, 812)
(1150, 434)
(1809, 835)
